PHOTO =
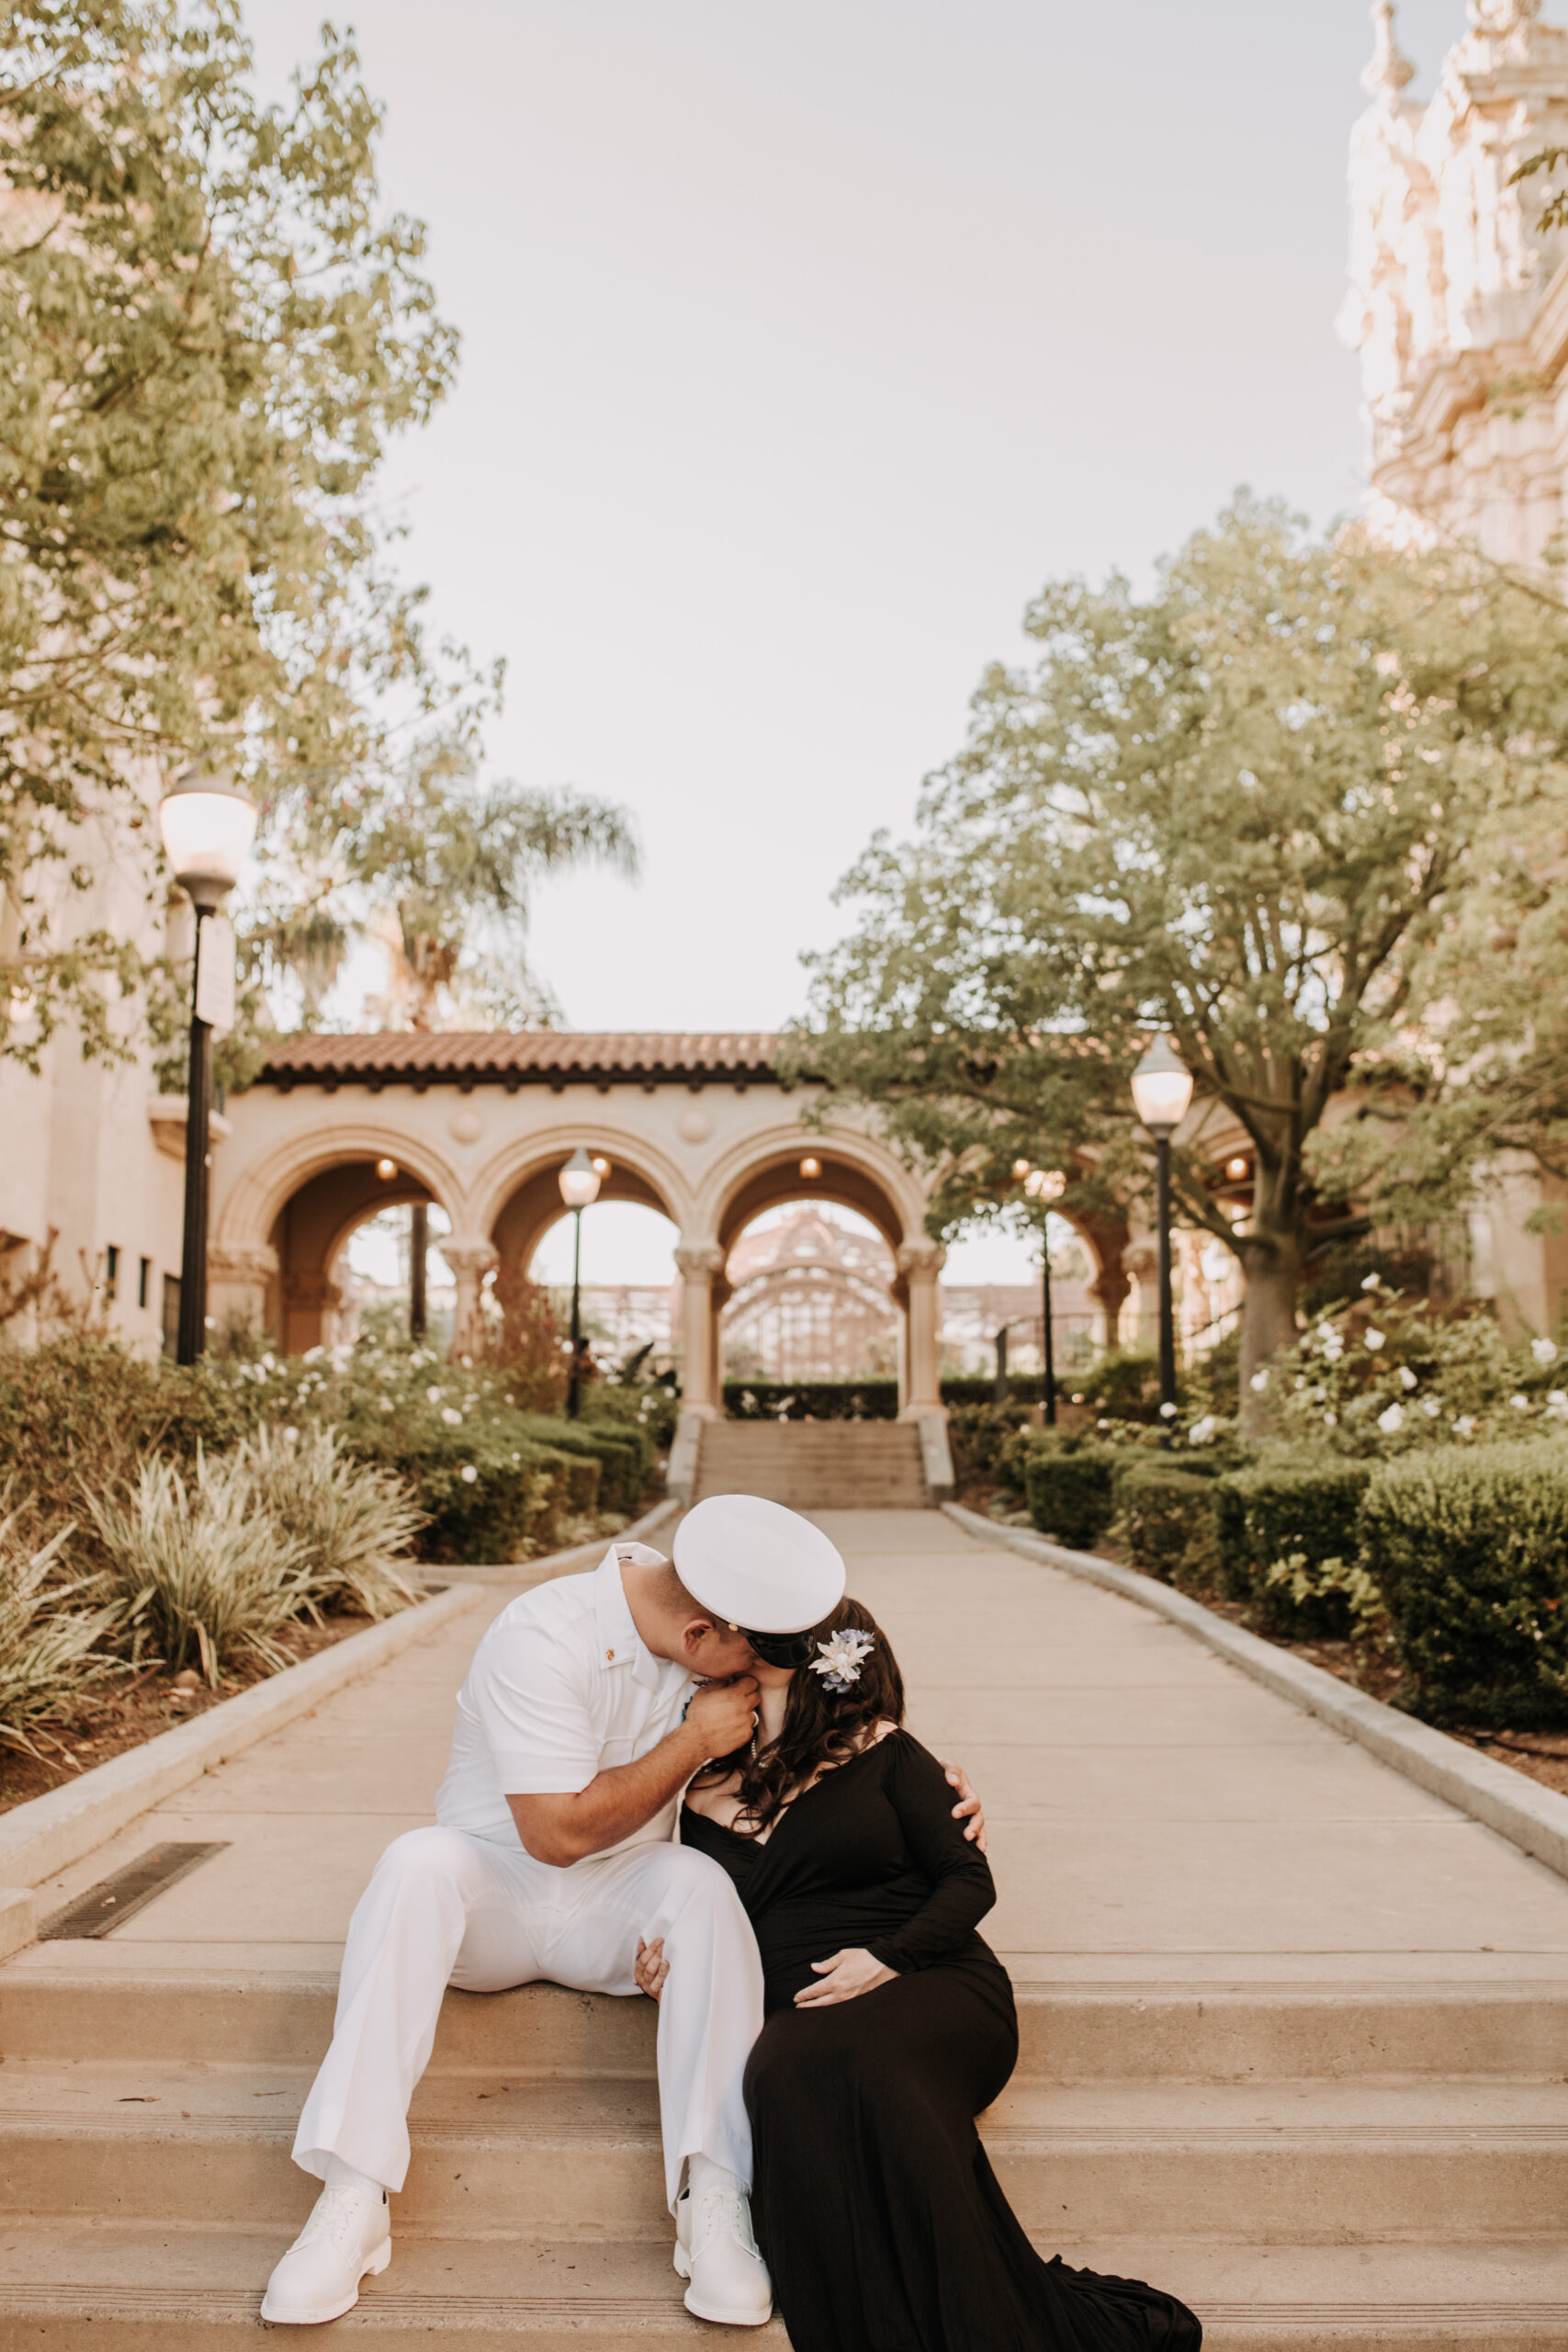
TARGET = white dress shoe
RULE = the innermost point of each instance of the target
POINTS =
(349, 2233)
(716, 2250)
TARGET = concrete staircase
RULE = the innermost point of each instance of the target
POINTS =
(1327, 2167)
(814, 1465)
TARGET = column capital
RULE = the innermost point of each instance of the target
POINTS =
(922, 1258)
(700, 1262)
(470, 1258)
(230, 1261)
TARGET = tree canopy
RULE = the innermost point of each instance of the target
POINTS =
(208, 327)
(1251, 810)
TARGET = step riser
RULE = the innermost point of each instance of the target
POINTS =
(1063, 2037)
(1344, 2189)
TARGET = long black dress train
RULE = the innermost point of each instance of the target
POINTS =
(881, 2221)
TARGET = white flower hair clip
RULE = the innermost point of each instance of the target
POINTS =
(840, 1658)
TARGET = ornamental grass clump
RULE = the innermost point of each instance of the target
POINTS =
(204, 1577)
(1469, 1551)
(52, 1654)
(353, 1521)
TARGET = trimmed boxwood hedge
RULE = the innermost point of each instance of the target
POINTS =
(1277, 1511)
(1165, 1516)
(1070, 1491)
(1469, 1546)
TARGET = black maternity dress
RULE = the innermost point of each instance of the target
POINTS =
(881, 2221)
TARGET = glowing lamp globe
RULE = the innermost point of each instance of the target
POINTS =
(580, 1180)
(1162, 1089)
(208, 827)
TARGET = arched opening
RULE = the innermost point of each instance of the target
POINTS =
(628, 1268)
(809, 1286)
(378, 1276)
(630, 1290)
(874, 1295)
(308, 1295)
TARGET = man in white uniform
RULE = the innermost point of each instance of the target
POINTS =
(579, 1725)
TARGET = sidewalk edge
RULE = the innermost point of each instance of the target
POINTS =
(1530, 1816)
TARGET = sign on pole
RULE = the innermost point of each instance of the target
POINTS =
(215, 975)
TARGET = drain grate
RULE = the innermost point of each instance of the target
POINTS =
(125, 1891)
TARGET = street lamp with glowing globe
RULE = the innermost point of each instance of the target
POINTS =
(579, 1182)
(1162, 1092)
(208, 826)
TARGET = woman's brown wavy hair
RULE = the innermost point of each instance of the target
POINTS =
(821, 1726)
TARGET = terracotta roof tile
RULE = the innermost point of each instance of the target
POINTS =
(522, 1055)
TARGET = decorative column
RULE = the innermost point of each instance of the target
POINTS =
(471, 1262)
(310, 1303)
(239, 1274)
(919, 1263)
(698, 1267)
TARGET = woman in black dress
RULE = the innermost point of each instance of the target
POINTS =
(890, 2026)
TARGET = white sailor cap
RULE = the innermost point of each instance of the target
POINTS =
(758, 1566)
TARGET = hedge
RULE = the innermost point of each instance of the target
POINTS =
(1470, 1549)
(623, 1452)
(814, 1400)
(1303, 1511)
(1165, 1516)
(1070, 1491)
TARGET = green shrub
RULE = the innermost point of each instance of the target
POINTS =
(811, 1400)
(1119, 1380)
(1070, 1491)
(1470, 1549)
(354, 1521)
(648, 1406)
(52, 1654)
(977, 1435)
(1165, 1516)
(1301, 1511)
(623, 1450)
(202, 1577)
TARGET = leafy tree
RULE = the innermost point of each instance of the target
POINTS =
(450, 868)
(208, 329)
(1241, 811)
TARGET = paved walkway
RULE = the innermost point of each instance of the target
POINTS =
(1157, 1816)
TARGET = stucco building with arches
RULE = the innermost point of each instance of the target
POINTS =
(704, 1128)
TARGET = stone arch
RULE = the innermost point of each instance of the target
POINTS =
(855, 1171)
(280, 1229)
(518, 1199)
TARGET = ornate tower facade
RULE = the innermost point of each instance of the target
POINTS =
(1457, 303)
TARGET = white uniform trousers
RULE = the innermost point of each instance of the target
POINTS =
(444, 1907)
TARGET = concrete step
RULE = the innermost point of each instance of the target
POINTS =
(815, 1465)
(52, 2009)
(173, 2290)
(1333, 2164)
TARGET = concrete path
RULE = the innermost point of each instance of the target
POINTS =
(1295, 2032)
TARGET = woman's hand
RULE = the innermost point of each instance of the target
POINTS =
(968, 1808)
(845, 1976)
(650, 1968)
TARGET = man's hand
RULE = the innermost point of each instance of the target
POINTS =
(846, 1975)
(724, 1714)
(969, 1807)
(650, 1968)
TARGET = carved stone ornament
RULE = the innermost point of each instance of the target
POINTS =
(922, 1258)
(1390, 70)
(700, 1263)
(474, 1258)
(240, 1261)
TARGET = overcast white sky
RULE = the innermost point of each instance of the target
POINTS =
(803, 339)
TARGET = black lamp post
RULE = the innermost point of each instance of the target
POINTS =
(1162, 1090)
(1044, 1184)
(579, 1182)
(206, 828)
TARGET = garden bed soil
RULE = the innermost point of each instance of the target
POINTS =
(127, 1713)
(1540, 1755)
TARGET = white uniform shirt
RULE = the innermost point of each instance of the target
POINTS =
(561, 1689)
